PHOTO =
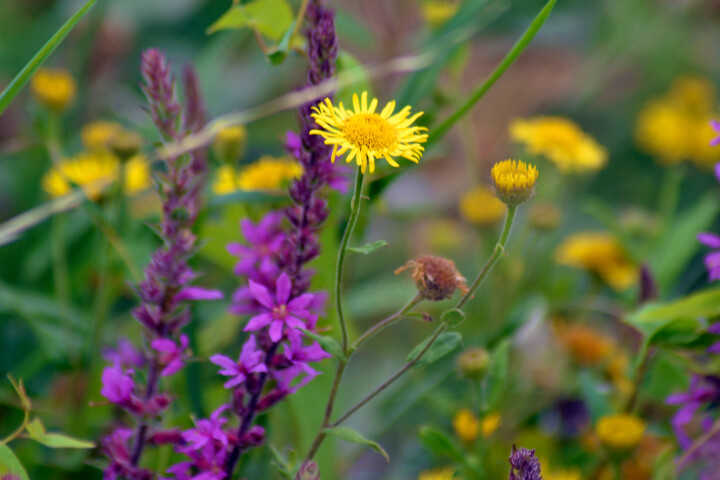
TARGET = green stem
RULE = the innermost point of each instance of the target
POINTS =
(352, 221)
(382, 325)
(21, 78)
(499, 249)
(439, 131)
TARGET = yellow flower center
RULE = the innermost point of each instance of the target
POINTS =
(370, 131)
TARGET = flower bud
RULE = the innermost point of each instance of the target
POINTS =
(54, 88)
(436, 278)
(544, 216)
(309, 471)
(514, 181)
(125, 144)
(474, 362)
(230, 143)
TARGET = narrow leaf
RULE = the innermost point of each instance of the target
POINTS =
(36, 431)
(10, 466)
(445, 343)
(369, 247)
(353, 436)
(439, 444)
(21, 79)
(328, 344)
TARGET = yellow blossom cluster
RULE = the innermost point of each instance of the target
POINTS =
(561, 141)
(599, 253)
(676, 126)
(620, 432)
(268, 173)
(468, 427)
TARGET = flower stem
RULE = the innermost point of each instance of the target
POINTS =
(382, 325)
(354, 214)
(499, 250)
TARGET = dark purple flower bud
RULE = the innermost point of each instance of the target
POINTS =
(524, 465)
(165, 437)
(648, 286)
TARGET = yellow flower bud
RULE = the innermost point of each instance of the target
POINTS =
(473, 363)
(230, 143)
(620, 433)
(53, 88)
(514, 181)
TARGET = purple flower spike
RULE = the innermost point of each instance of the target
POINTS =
(198, 293)
(524, 465)
(716, 126)
(208, 431)
(280, 311)
(712, 259)
(171, 355)
(250, 361)
(118, 385)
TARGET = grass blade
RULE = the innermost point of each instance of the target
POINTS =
(21, 78)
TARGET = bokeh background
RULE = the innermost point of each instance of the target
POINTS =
(597, 63)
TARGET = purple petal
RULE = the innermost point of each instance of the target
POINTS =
(717, 170)
(198, 293)
(172, 368)
(258, 322)
(301, 302)
(709, 239)
(223, 361)
(239, 250)
(283, 289)
(235, 381)
(163, 345)
(261, 294)
(275, 331)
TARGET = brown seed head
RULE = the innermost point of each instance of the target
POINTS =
(436, 278)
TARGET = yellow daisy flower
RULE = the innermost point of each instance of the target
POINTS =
(138, 176)
(225, 180)
(561, 141)
(98, 135)
(229, 143)
(368, 135)
(620, 432)
(599, 253)
(466, 425)
(481, 207)
(268, 173)
(514, 181)
(54, 88)
(437, 12)
(447, 473)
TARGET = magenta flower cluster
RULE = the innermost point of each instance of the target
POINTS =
(276, 358)
(166, 290)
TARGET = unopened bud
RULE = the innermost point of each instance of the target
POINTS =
(436, 278)
(309, 471)
(473, 363)
(229, 144)
(125, 144)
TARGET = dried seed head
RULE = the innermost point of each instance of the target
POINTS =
(436, 277)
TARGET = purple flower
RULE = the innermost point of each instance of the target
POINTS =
(299, 356)
(198, 293)
(716, 126)
(118, 385)
(125, 354)
(524, 465)
(282, 311)
(171, 355)
(250, 361)
(208, 431)
(265, 240)
(704, 391)
(712, 260)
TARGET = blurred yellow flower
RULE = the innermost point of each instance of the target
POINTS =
(229, 143)
(490, 423)
(54, 88)
(447, 473)
(368, 135)
(98, 135)
(585, 344)
(544, 216)
(617, 372)
(93, 172)
(481, 207)
(466, 425)
(549, 473)
(437, 12)
(676, 126)
(620, 432)
(514, 181)
(599, 253)
(267, 173)
(561, 141)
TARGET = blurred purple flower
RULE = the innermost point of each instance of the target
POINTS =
(124, 354)
(198, 293)
(250, 361)
(208, 431)
(716, 126)
(703, 393)
(712, 260)
(118, 384)
(264, 242)
(171, 355)
(281, 310)
(524, 465)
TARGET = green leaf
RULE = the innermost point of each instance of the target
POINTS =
(329, 344)
(269, 17)
(453, 318)
(676, 322)
(499, 372)
(36, 431)
(278, 53)
(10, 465)
(369, 247)
(21, 79)
(679, 244)
(445, 343)
(353, 436)
(439, 444)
